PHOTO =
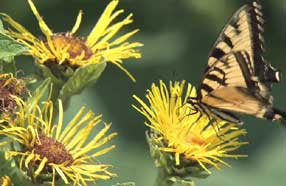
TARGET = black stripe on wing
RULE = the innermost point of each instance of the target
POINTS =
(244, 32)
(263, 70)
(217, 53)
(231, 70)
(206, 88)
(257, 22)
(243, 60)
(215, 78)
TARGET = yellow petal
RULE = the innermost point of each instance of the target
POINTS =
(43, 26)
(41, 166)
(102, 23)
(77, 23)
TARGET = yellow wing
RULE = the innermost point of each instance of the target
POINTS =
(237, 77)
(244, 34)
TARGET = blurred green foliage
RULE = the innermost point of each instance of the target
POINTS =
(178, 35)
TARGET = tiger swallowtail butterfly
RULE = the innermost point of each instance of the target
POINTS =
(237, 77)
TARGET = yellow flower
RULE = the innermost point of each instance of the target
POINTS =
(187, 135)
(50, 149)
(6, 181)
(68, 49)
(10, 89)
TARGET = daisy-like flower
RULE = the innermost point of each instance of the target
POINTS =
(50, 151)
(10, 88)
(68, 49)
(185, 133)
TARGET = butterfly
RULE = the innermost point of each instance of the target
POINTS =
(237, 77)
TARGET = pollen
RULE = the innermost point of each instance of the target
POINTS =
(9, 87)
(6, 103)
(195, 140)
(53, 150)
(75, 47)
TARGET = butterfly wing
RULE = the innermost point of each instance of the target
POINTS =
(237, 77)
(227, 85)
(244, 32)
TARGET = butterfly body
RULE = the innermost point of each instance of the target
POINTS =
(237, 77)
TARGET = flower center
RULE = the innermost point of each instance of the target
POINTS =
(53, 150)
(194, 139)
(14, 87)
(74, 46)
(6, 103)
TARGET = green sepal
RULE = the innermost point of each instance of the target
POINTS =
(182, 182)
(39, 92)
(81, 78)
(68, 81)
(47, 73)
(169, 172)
(9, 48)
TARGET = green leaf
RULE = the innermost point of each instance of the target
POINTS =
(10, 47)
(81, 78)
(6, 167)
(8, 67)
(38, 93)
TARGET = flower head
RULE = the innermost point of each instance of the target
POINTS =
(68, 49)
(10, 89)
(49, 150)
(182, 131)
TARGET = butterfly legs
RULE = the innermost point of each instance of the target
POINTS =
(212, 116)
(193, 101)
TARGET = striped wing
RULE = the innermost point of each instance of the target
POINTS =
(227, 85)
(243, 34)
(237, 77)
(230, 71)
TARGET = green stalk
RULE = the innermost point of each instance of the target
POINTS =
(163, 178)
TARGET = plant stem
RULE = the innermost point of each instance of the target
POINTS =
(163, 178)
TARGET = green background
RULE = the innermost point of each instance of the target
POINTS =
(177, 35)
